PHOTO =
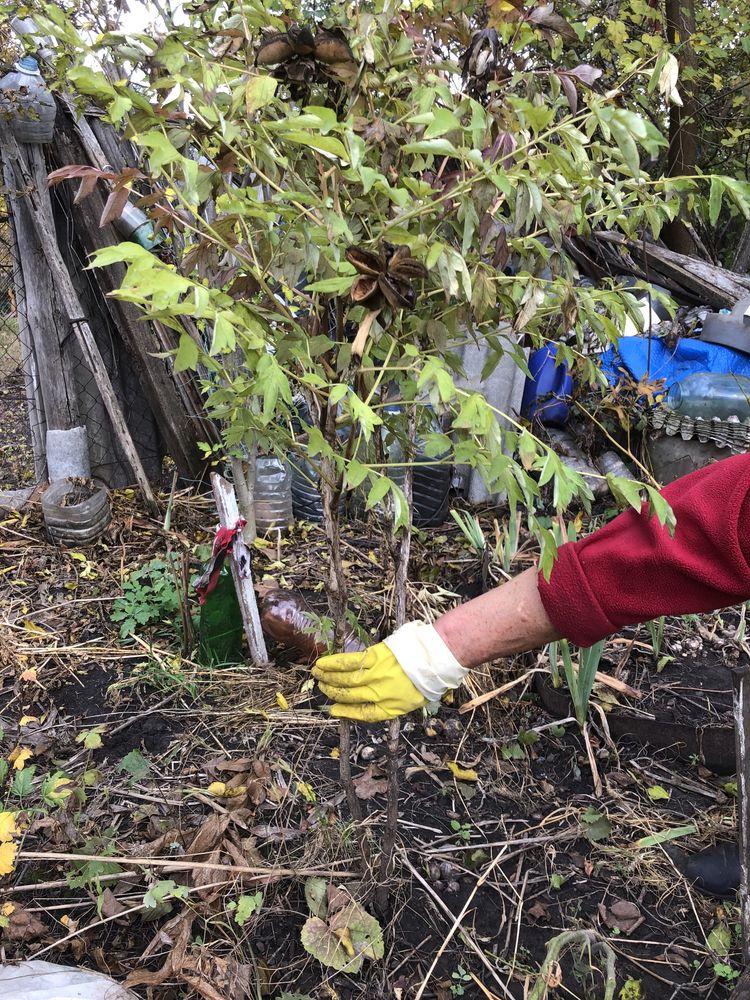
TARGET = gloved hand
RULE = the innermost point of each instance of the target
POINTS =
(404, 672)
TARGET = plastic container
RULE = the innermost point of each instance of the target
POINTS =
(286, 618)
(546, 393)
(25, 99)
(273, 494)
(307, 504)
(136, 227)
(610, 464)
(74, 515)
(220, 627)
(431, 483)
(567, 448)
(711, 394)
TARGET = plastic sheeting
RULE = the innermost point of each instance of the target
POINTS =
(39, 980)
(672, 364)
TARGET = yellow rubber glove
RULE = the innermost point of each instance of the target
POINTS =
(407, 670)
(370, 686)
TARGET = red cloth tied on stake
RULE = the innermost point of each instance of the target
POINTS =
(226, 540)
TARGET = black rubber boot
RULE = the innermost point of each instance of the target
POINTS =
(714, 871)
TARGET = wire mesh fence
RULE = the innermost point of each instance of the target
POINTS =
(17, 466)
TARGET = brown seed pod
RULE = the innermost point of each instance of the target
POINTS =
(273, 50)
(331, 47)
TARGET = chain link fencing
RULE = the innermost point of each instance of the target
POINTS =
(17, 467)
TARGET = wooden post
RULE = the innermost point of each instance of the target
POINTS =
(50, 328)
(741, 691)
(67, 296)
(226, 504)
(74, 143)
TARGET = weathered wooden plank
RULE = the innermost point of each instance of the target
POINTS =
(67, 295)
(226, 504)
(176, 424)
(716, 286)
(49, 324)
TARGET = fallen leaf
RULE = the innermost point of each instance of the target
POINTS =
(7, 826)
(554, 976)
(370, 783)
(621, 915)
(7, 858)
(460, 773)
(657, 793)
(18, 757)
(110, 904)
(539, 912)
(225, 791)
(23, 926)
(282, 702)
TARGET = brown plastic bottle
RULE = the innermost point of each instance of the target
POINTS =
(286, 618)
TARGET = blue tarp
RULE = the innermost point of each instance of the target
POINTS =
(671, 364)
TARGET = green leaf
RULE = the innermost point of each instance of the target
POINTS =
(443, 121)
(714, 199)
(159, 891)
(332, 286)
(363, 415)
(440, 147)
(657, 793)
(322, 143)
(626, 491)
(316, 895)
(246, 907)
(356, 473)
(162, 150)
(660, 507)
(596, 825)
(23, 781)
(259, 91)
(91, 738)
(378, 491)
(627, 146)
(665, 835)
(135, 764)
(720, 940)
(187, 354)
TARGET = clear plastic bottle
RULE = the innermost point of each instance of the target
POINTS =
(136, 226)
(711, 394)
(610, 464)
(26, 101)
(273, 494)
(286, 618)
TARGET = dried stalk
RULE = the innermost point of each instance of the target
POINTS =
(401, 575)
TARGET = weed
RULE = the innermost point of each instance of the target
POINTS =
(579, 677)
(462, 830)
(149, 596)
(725, 972)
(461, 980)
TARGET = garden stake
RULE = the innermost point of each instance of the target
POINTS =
(226, 504)
(741, 692)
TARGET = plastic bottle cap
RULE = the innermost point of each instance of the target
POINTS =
(27, 65)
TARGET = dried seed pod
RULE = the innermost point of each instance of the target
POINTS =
(273, 50)
(331, 47)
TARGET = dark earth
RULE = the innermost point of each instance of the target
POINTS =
(516, 838)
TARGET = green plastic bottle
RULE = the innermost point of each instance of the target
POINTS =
(221, 628)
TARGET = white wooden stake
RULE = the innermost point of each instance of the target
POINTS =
(226, 504)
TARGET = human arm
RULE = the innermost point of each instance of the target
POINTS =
(632, 570)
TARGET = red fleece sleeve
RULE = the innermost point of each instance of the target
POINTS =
(632, 570)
